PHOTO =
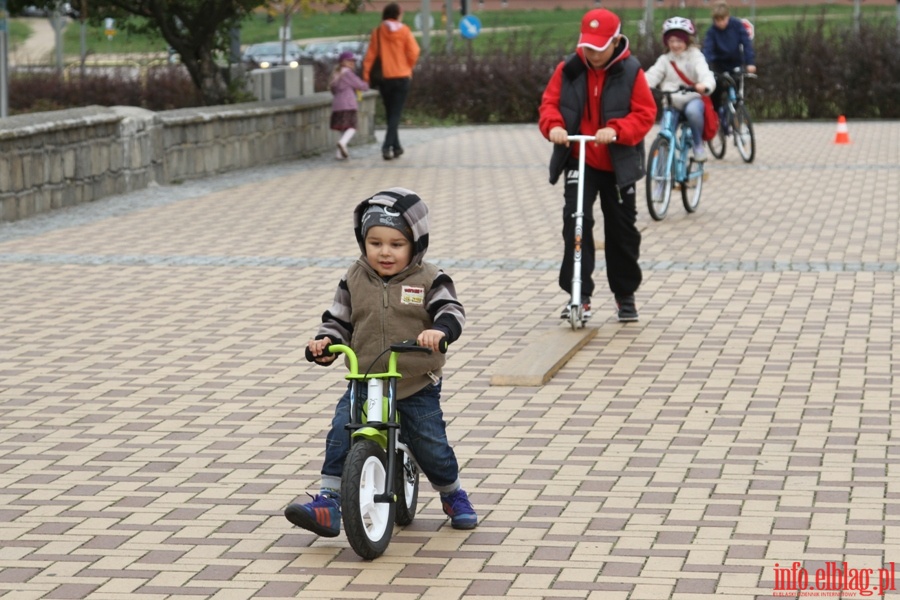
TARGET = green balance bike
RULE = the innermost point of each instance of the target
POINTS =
(380, 481)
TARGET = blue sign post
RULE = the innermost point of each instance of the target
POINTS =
(470, 27)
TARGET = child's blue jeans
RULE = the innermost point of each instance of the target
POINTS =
(694, 113)
(423, 430)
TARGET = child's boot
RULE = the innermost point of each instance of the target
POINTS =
(344, 142)
(321, 516)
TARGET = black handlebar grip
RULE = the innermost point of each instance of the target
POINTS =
(311, 358)
(412, 346)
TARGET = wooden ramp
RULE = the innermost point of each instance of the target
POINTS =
(545, 353)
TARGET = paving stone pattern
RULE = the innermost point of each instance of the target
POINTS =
(157, 413)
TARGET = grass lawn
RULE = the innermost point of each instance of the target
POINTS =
(18, 32)
(556, 27)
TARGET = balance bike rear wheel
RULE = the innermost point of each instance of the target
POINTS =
(406, 484)
(369, 524)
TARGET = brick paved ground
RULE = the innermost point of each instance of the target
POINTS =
(156, 412)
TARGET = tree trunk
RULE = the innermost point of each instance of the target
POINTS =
(208, 78)
(197, 31)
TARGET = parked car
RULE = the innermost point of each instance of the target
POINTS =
(326, 53)
(272, 54)
(358, 49)
(318, 52)
(32, 10)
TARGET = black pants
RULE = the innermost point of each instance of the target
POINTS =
(720, 93)
(393, 95)
(623, 240)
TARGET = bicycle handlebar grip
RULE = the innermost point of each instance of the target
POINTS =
(412, 346)
(311, 358)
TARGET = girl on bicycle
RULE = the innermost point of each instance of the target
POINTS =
(684, 65)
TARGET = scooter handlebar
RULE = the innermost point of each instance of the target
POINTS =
(585, 138)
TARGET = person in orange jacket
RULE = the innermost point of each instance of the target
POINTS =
(600, 90)
(394, 43)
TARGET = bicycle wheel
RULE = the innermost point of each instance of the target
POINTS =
(369, 524)
(743, 134)
(718, 144)
(692, 186)
(659, 179)
(406, 485)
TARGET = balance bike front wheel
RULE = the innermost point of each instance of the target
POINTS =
(369, 524)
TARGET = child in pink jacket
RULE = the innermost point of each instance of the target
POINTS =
(345, 84)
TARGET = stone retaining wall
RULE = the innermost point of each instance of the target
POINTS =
(62, 158)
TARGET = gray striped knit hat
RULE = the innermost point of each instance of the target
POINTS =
(385, 216)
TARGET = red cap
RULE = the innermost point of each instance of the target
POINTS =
(598, 28)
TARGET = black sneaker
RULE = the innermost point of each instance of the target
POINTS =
(398, 151)
(626, 308)
(387, 154)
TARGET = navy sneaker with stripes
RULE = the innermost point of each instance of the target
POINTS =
(321, 516)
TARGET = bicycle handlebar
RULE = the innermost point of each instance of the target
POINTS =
(729, 76)
(399, 347)
(682, 89)
(413, 346)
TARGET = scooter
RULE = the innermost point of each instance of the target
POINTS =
(576, 307)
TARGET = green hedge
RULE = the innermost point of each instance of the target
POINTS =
(814, 71)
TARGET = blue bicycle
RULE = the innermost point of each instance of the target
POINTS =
(669, 162)
(734, 118)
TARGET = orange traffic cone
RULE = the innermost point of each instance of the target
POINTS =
(842, 136)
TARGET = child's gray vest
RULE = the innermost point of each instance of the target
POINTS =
(615, 102)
